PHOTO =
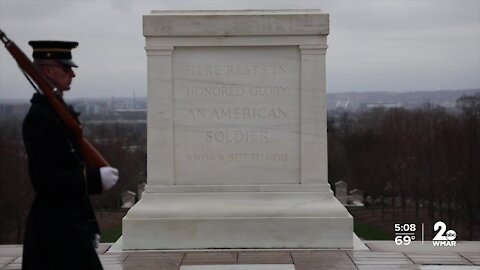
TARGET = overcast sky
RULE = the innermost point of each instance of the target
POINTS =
(381, 45)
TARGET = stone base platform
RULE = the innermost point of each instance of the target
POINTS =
(117, 247)
(237, 220)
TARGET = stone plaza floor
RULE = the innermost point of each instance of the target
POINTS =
(379, 255)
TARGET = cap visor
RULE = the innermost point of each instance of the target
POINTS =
(67, 62)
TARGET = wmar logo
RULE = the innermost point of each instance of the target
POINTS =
(443, 238)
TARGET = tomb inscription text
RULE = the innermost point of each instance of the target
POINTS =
(236, 107)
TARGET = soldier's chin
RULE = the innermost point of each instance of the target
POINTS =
(63, 90)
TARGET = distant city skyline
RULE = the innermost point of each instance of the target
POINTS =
(388, 45)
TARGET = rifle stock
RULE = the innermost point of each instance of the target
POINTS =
(92, 157)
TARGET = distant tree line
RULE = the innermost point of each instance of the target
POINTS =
(425, 157)
(15, 188)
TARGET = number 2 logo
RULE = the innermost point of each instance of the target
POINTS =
(441, 227)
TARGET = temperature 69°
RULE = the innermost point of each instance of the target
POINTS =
(404, 239)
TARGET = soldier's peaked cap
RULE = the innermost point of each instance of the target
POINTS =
(55, 50)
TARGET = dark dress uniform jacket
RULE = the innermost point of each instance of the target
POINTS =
(61, 222)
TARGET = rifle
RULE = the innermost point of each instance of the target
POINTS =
(92, 157)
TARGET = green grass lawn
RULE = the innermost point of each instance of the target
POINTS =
(112, 235)
(370, 232)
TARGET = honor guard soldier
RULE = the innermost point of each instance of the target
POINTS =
(62, 231)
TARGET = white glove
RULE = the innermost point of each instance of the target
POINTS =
(109, 177)
(96, 240)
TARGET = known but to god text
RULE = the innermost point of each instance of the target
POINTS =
(237, 157)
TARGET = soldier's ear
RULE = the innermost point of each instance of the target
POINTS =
(47, 70)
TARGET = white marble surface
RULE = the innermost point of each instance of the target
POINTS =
(117, 247)
(238, 188)
(239, 267)
(237, 115)
(236, 23)
(238, 205)
(237, 220)
(187, 146)
(237, 137)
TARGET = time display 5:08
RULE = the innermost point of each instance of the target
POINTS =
(407, 227)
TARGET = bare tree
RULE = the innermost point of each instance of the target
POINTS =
(470, 107)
